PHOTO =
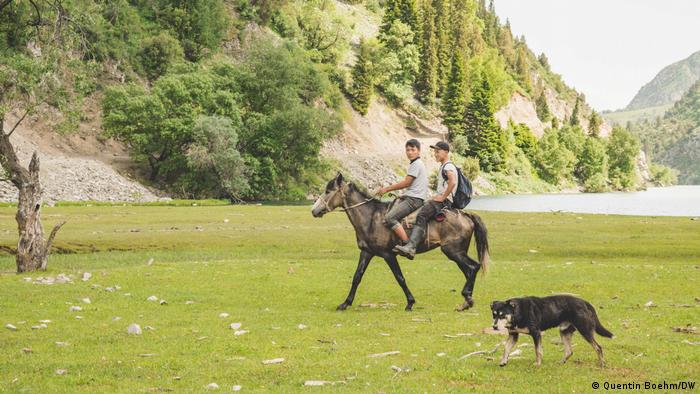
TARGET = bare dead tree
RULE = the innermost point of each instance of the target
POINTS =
(32, 249)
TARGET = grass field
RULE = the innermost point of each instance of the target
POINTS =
(281, 274)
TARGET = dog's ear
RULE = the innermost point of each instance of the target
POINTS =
(339, 179)
(516, 307)
(494, 304)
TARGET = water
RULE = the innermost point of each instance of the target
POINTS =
(665, 201)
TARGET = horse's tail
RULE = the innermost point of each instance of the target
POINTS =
(482, 241)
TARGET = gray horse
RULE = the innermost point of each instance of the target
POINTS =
(453, 236)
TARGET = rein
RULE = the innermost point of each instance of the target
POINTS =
(345, 208)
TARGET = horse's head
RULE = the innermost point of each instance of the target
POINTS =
(332, 198)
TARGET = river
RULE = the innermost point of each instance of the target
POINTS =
(665, 201)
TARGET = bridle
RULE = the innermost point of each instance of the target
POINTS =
(345, 207)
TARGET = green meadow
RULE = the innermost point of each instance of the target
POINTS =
(281, 273)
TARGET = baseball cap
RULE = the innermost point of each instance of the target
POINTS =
(441, 145)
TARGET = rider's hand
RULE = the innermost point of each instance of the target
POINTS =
(379, 191)
(439, 198)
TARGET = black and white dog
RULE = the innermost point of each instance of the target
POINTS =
(532, 315)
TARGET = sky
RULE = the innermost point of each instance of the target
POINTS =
(606, 49)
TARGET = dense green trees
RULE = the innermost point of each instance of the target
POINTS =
(487, 140)
(261, 109)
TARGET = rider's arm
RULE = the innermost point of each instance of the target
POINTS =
(451, 184)
(406, 182)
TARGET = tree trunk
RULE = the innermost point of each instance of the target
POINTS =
(32, 250)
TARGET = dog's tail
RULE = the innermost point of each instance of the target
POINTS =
(482, 241)
(599, 329)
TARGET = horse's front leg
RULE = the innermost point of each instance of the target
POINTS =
(396, 270)
(365, 258)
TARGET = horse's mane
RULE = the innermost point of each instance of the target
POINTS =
(364, 193)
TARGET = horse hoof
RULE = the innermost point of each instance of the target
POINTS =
(409, 307)
(341, 307)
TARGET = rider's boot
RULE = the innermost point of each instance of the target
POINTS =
(409, 250)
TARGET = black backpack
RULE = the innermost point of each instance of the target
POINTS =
(463, 192)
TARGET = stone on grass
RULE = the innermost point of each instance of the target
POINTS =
(273, 361)
(61, 343)
(301, 326)
(86, 301)
(26, 350)
(237, 387)
(163, 302)
(86, 276)
(223, 315)
(61, 372)
(235, 326)
(75, 308)
(44, 321)
(377, 355)
(152, 298)
(213, 386)
(134, 329)
(240, 332)
(10, 327)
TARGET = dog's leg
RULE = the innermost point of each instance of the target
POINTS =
(537, 338)
(566, 335)
(510, 342)
(588, 335)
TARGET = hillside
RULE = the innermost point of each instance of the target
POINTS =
(674, 140)
(264, 100)
(669, 85)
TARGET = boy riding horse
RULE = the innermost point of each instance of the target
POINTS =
(445, 193)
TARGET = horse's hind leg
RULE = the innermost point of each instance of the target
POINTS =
(396, 270)
(365, 258)
(457, 252)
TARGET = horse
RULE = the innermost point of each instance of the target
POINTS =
(453, 236)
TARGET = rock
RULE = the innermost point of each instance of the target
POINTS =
(235, 326)
(28, 279)
(273, 361)
(10, 327)
(223, 315)
(86, 301)
(236, 388)
(317, 383)
(152, 298)
(75, 308)
(441, 354)
(149, 328)
(86, 276)
(240, 332)
(61, 372)
(650, 304)
(213, 386)
(78, 317)
(26, 350)
(110, 289)
(301, 326)
(39, 327)
(61, 343)
(163, 302)
(376, 355)
(150, 261)
(134, 329)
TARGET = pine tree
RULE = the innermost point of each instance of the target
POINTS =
(544, 61)
(362, 79)
(541, 106)
(574, 120)
(487, 140)
(442, 20)
(522, 68)
(428, 78)
(594, 123)
(455, 101)
(392, 11)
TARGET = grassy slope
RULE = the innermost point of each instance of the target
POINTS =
(634, 115)
(274, 267)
